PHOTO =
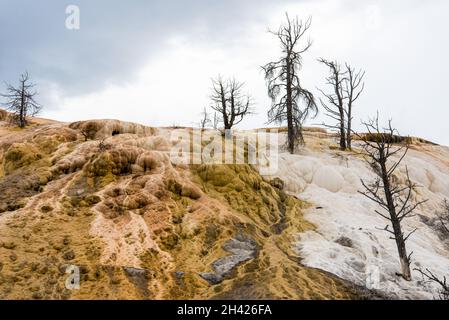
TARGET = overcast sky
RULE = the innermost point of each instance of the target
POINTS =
(151, 61)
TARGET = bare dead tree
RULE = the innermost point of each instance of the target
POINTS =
(335, 101)
(229, 101)
(393, 198)
(103, 146)
(284, 86)
(20, 101)
(205, 120)
(346, 87)
(85, 134)
(353, 87)
(89, 130)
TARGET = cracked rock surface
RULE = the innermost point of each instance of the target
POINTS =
(242, 247)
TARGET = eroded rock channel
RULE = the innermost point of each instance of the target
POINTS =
(242, 247)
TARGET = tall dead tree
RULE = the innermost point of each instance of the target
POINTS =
(346, 87)
(20, 101)
(284, 86)
(205, 119)
(394, 199)
(229, 101)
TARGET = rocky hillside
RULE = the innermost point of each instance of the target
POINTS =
(104, 196)
(349, 239)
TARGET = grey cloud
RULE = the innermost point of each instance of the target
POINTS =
(114, 40)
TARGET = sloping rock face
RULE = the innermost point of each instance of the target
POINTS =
(101, 202)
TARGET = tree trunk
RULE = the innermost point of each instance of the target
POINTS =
(341, 110)
(224, 113)
(22, 107)
(348, 136)
(349, 128)
(398, 235)
(403, 257)
(342, 131)
(291, 135)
